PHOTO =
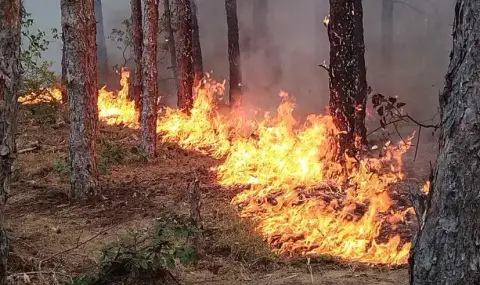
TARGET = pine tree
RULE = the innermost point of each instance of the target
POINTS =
(79, 33)
(150, 80)
(233, 54)
(348, 75)
(446, 249)
(10, 73)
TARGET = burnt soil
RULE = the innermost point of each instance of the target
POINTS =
(53, 240)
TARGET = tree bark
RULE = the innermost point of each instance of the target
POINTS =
(235, 93)
(101, 45)
(197, 48)
(64, 74)
(79, 30)
(447, 248)
(10, 72)
(347, 72)
(185, 58)
(171, 42)
(137, 36)
(387, 34)
(150, 84)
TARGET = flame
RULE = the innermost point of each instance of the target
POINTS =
(117, 109)
(114, 108)
(47, 95)
(302, 200)
(288, 167)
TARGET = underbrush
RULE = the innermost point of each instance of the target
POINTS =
(144, 257)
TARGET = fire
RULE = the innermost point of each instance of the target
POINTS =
(114, 108)
(47, 95)
(301, 199)
(117, 109)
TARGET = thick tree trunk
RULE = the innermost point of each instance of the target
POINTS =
(387, 35)
(10, 72)
(137, 36)
(171, 42)
(150, 77)
(233, 54)
(348, 82)
(197, 48)
(185, 57)
(447, 248)
(101, 45)
(79, 30)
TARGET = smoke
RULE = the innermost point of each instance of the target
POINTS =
(422, 42)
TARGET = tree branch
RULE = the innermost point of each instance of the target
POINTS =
(409, 6)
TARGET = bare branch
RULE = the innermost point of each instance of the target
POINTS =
(409, 6)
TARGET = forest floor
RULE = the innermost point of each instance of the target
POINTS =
(53, 240)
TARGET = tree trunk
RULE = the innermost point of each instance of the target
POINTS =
(387, 35)
(185, 58)
(197, 48)
(137, 36)
(101, 45)
(260, 10)
(64, 74)
(235, 94)
(79, 30)
(348, 83)
(150, 77)
(171, 42)
(447, 247)
(10, 72)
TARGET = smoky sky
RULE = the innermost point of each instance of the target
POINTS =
(422, 42)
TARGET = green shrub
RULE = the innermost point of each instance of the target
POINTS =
(144, 257)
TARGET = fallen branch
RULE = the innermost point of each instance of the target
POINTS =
(26, 275)
(76, 246)
(28, 149)
(195, 217)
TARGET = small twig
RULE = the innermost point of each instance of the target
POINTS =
(28, 149)
(421, 12)
(389, 123)
(418, 142)
(398, 133)
(435, 127)
(79, 244)
(310, 269)
(324, 66)
(21, 274)
(194, 200)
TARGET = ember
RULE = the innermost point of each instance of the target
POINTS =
(302, 201)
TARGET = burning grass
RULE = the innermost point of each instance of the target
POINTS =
(302, 201)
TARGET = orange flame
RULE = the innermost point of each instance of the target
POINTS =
(302, 201)
(117, 109)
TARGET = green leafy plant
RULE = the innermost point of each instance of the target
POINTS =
(60, 166)
(112, 152)
(123, 40)
(144, 257)
(37, 74)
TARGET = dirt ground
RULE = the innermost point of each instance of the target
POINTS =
(53, 240)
